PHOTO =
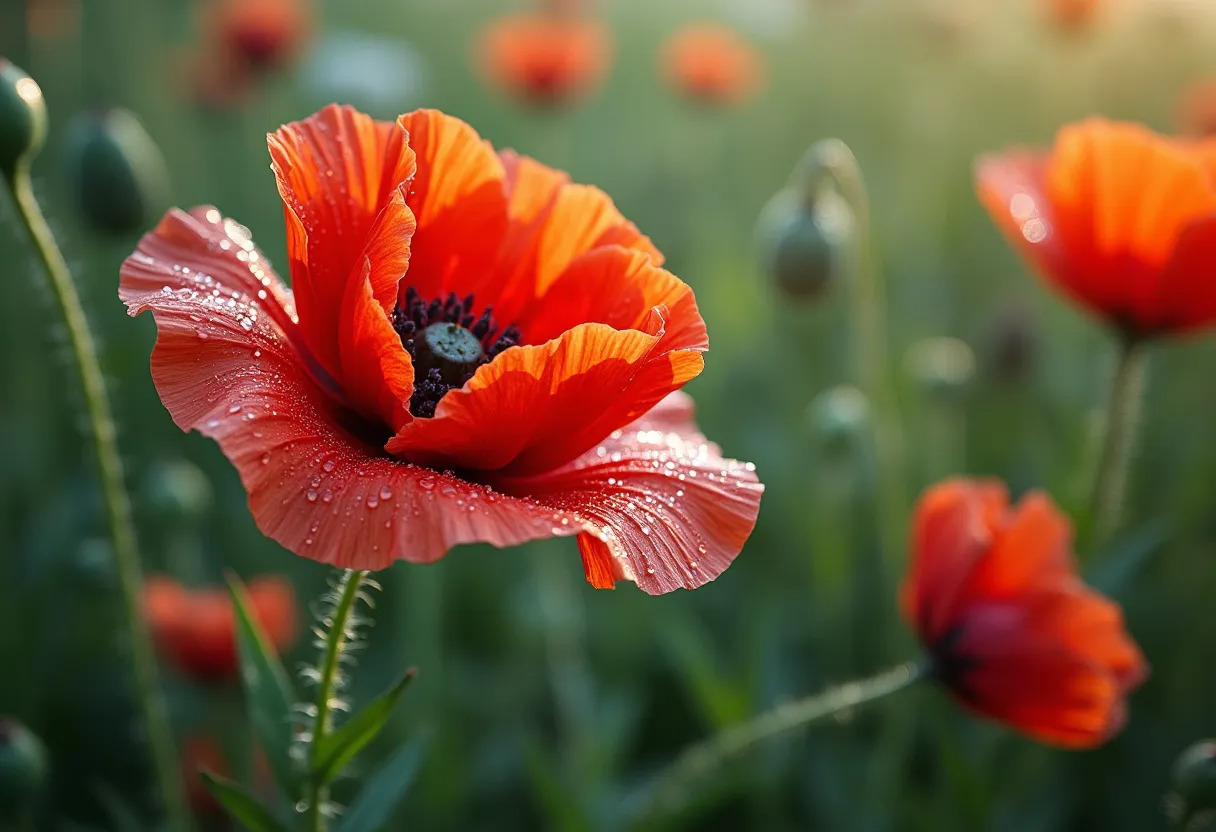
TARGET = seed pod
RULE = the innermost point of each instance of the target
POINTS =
(117, 172)
(177, 491)
(801, 240)
(942, 367)
(838, 419)
(1192, 804)
(22, 118)
(23, 767)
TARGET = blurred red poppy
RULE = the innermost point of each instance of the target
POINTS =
(199, 752)
(1071, 15)
(195, 630)
(476, 350)
(240, 41)
(1121, 219)
(1196, 112)
(993, 593)
(711, 64)
(545, 60)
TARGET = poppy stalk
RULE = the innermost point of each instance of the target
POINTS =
(20, 90)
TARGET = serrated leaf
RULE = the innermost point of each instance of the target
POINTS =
(269, 695)
(335, 751)
(383, 790)
(242, 806)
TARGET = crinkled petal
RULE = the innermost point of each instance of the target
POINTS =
(336, 171)
(534, 408)
(656, 503)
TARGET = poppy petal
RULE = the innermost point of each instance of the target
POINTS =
(1044, 666)
(459, 199)
(618, 287)
(548, 232)
(336, 171)
(657, 504)
(1185, 297)
(377, 372)
(534, 408)
(1033, 548)
(952, 531)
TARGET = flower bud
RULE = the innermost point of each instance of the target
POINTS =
(800, 240)
(22, 118)
(1012, 347)
(177, 490)
(23, 767)
(1193, 800)
(942, 367)
(838, 419)
(118, 174)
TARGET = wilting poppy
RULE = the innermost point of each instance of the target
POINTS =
(1015, 635)
(1121, 219)
(546, 60)
(711, 64)
(1196, 112)
(195, 630)
(476, 350)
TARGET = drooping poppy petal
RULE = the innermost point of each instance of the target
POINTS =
(336, 172)
(538, 407)
(1118, 218)
(1014, 634)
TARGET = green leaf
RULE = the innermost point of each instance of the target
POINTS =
(241, 805)
(383, 790)
(335, 751)
(267, 691)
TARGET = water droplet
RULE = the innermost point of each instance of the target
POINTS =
(386, 493)
(373, 502)
(312, 496)
(327, 497)
(328, 466)
(266, 459)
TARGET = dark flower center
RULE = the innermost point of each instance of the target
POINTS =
(447, 343)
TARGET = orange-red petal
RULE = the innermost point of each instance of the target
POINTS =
(534, 408)
(336, 171)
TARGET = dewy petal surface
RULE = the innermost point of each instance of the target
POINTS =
(336, 171)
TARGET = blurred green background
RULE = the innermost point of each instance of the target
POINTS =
(546, 703)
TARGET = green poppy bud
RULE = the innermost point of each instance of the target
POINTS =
(801, 239)
(22, 118)
(117, 172)
(942, 367)
(839, 419)
(1192, 804)
(177, 490)
(23, 767)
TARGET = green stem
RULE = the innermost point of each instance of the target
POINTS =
(673, 784)
(1122, 419)
(832, 158)
(118, 506)
(336, 642)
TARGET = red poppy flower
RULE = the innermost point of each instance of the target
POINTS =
(993, 593)
(198, 753)
(476, 350)
(711, 64)
(545, 60)
(1121, 219)
(1196, 112)
(196, 629)
(1071, 16)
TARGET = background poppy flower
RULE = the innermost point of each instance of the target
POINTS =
(710, 63)
(1071, 16)
(196, 629)
(516, 384)
(546, 60)
(1121, 219)
(1196, 111)
(993, 593)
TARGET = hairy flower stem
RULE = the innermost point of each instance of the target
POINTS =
(329, 673)
(118, 505)
(1119, 442)
(831, 159)
(674, 784)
